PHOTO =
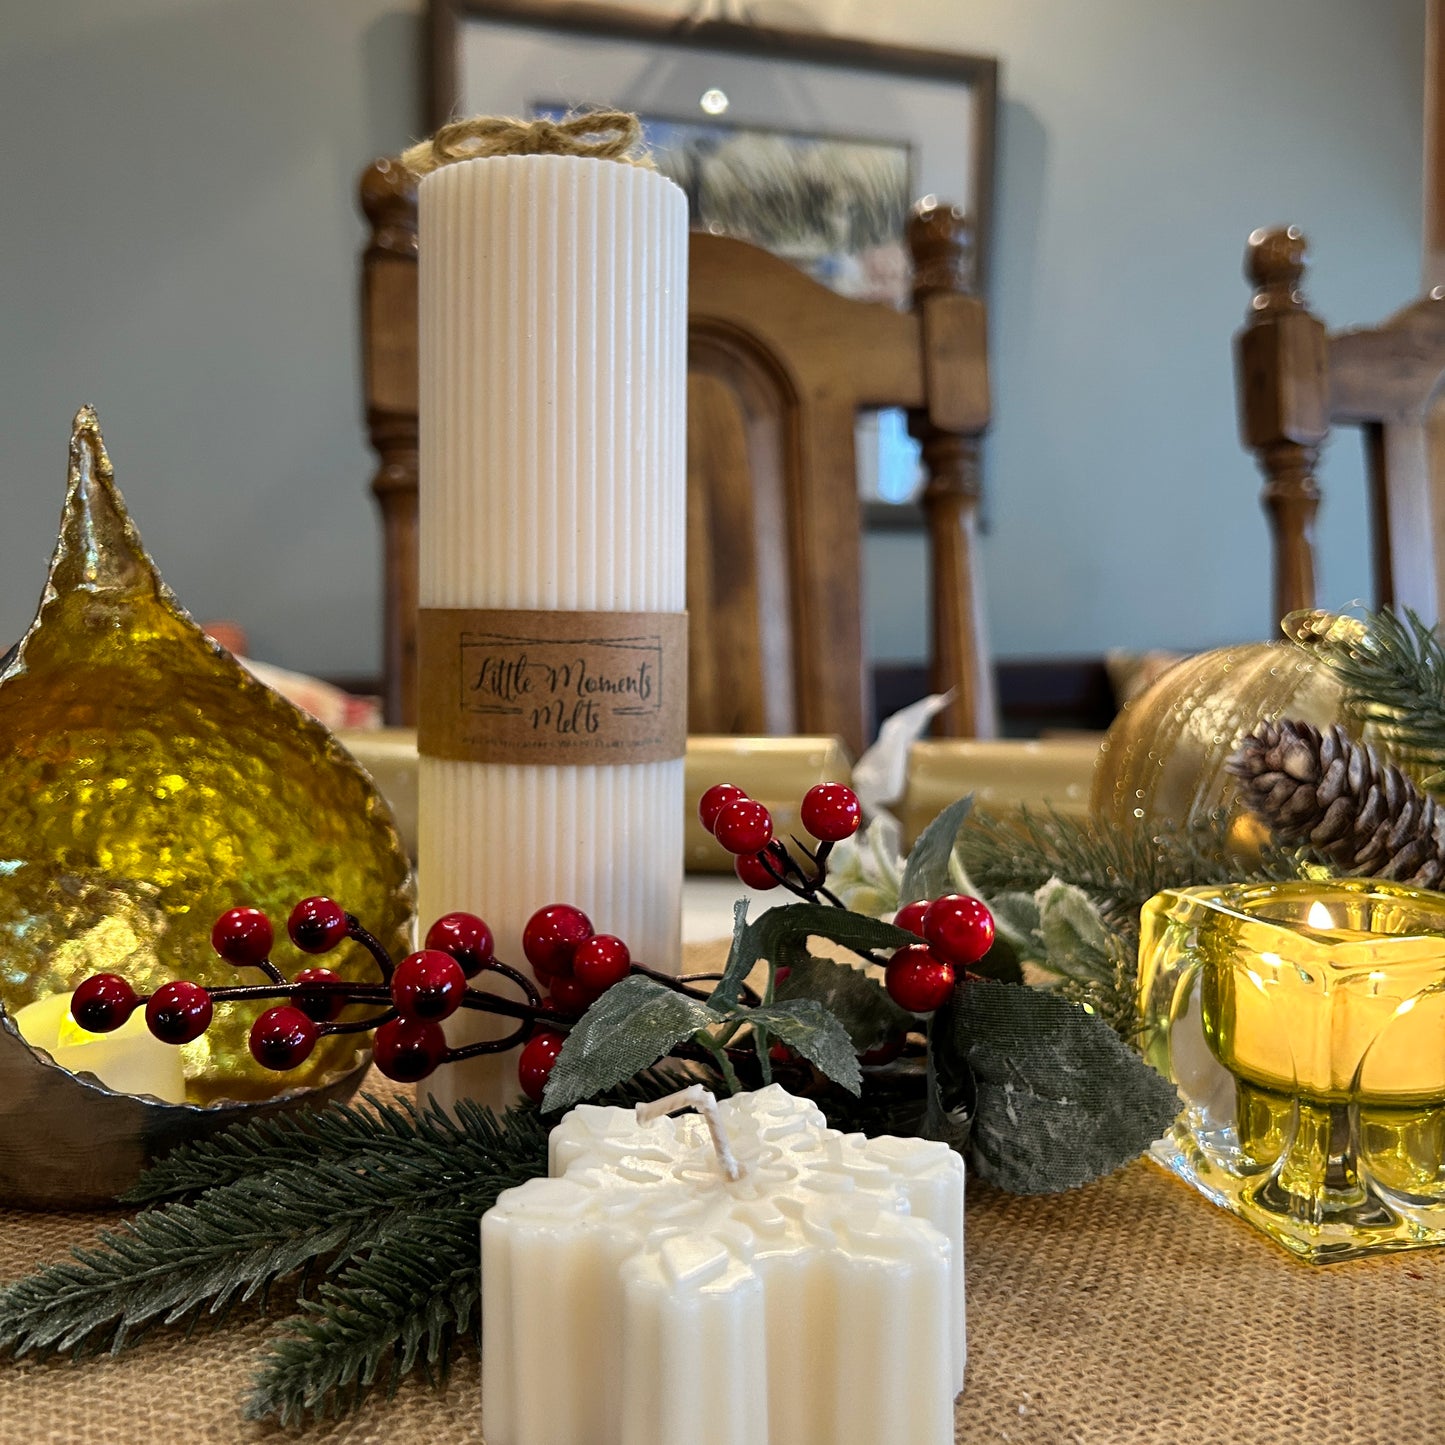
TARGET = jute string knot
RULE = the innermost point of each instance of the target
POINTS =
(601, 135)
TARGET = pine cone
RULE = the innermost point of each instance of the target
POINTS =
(1332, 793)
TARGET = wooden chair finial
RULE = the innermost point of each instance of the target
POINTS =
(388, 197)
(1274, 264)
(941, 242)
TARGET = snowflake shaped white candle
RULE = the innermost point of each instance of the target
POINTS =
(637, 1296)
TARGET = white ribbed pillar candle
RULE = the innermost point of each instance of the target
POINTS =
(553, 333)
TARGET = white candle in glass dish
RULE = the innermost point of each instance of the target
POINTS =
(553, 333)
(638, 1296)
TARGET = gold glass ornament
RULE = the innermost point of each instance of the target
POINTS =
(150, 783)
(1162, 760)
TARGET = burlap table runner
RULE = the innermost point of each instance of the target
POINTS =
(1128, 1312)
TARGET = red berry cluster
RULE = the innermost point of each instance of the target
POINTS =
(413, 997)
(829, 811)
(956, 931)
(577, 966)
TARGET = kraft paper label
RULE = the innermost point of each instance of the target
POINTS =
(552, 688)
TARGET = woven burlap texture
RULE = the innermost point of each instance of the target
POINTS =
(1128, 1312)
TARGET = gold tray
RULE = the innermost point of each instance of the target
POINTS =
(1003, 776)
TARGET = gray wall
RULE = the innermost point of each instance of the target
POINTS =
(178, 244)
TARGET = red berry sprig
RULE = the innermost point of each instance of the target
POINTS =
(243, 936)
(429, 985)
(103, 1002)
(910, 916)
(407, 1004)
(323, 1002)
(599, 962)
(959, 927)
(408, 1050)
(568, 957)
(956, 931)
(466, 937)
(316, 925)
(829, 811)
(283, 1037)
(744, 826)
(178, 1012)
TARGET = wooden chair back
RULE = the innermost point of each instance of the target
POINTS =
(778, 369)
(1296, 380)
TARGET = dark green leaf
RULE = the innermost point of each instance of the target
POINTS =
(810, 1030)
(861, 1004)
(926, 873)
(951, 1098)
(781, 936)
(630, 1027)
(1061, 1099)
(740, 962)
(1001, 962)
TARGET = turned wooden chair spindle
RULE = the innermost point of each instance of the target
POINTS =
(1296, 380)
(389, 384)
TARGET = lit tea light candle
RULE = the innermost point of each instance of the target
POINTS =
(127, 1061)
(751, 1275)
(1304, 1024)
(1303, 1003)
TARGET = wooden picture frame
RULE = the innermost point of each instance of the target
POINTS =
(805, 86)
(773, 52)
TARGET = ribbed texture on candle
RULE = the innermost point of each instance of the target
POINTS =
(553, 328)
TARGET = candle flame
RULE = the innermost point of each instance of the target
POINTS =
(1319, 916)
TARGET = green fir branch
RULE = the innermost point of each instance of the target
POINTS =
(382, 1201)
(409, 1303)
(1118, 869)
(303, 1138)
(1393, 676)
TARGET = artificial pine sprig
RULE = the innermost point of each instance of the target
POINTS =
(409, 1304)
(236, 1239)
(1392, 669)
(1119, 870)
(381, 1202)
(262, 1145)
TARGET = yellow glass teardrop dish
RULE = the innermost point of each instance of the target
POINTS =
(150, 782)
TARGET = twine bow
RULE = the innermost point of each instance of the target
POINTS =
(602, 135)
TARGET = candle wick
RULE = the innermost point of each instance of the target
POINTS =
(705, 1102)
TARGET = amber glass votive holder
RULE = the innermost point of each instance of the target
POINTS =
(1304, 1026)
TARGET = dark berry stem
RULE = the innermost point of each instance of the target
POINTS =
(271, 971)
(520, 979)
(677, 985)
(371, 945)
(359, 1026)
